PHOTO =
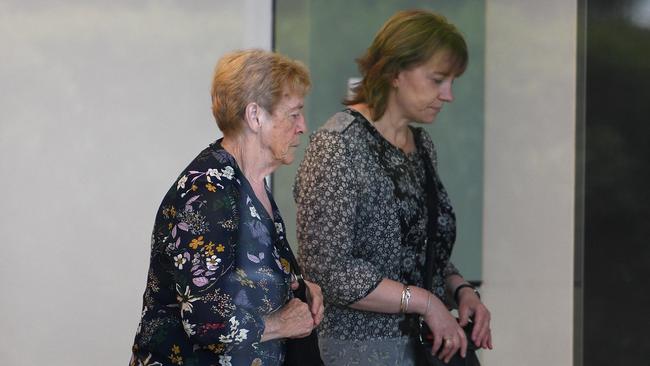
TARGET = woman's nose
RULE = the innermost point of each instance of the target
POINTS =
(446, 94)
(302, 125)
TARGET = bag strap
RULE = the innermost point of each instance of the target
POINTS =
(301, 291)
(412, 323)
(431, 192)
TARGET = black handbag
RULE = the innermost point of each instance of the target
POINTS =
(424, 338)
(302, 351)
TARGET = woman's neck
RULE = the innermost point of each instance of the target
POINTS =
(250, 158)
(392, 126)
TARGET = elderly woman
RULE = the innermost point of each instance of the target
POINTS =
(219, 284)
(363, 218)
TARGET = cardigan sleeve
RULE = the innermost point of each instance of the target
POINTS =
(213, 290)
(326, 194)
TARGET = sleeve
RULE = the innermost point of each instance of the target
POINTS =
(209, 280)
(450, 269)
(326, 194)
(447, 295)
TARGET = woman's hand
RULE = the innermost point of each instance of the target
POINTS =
(315, 301)
(293, 320)
(470, 306)
(448, 336)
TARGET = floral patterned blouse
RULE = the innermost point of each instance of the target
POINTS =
(219, 263)
(362, 217)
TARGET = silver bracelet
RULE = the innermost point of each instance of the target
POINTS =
(428, 304)
(402, 300)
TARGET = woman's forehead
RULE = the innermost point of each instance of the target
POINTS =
(442, 62)
(290, 101)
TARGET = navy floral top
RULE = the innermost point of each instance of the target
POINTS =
(218, 265)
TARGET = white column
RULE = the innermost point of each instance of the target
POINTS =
(529, 180)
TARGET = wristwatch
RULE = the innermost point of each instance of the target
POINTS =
(462, 286)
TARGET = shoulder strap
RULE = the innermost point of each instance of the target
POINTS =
(431, 192)
(301, 292)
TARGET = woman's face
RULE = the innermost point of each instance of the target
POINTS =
(281, 130)
(420, 92)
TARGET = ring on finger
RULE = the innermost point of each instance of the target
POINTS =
(448, 342)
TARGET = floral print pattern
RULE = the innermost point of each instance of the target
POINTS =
(352, 219)
(216, 269)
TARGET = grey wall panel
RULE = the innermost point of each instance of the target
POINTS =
(329, 35)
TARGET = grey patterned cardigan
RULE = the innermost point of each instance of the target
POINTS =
(349, 227)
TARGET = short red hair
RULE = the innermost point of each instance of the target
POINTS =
(253, 76)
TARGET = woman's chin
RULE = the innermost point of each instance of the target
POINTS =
(427, 121)
(288, 157)
(288, 160)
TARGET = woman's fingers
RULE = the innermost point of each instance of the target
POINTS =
(294, 285)
(293, 320)
(470, 306)
(315, 297)
(317, 313)
(463, 342)
(446, 331)
(481, 326)
(297, 318)
(482, 337)
(437, 342)
(485, 339)
(450, 345)
(445, 344)
(464, 314)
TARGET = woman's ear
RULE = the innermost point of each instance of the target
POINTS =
(252, 115)
(394, 82)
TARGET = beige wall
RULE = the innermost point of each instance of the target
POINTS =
(529, 180)
(102, 103)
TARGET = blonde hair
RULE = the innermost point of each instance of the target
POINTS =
(253, 76)
(408, 39)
